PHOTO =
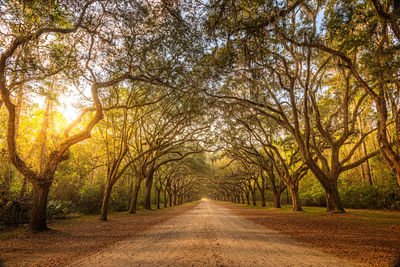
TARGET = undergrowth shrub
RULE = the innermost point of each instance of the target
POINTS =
(13, 213)
(365, 196)
(59, 208)
(313, 196)
(90, 198)
(119, 199)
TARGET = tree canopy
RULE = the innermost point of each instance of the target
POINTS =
(119, 104)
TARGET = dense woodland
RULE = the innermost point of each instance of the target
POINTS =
(119, 105)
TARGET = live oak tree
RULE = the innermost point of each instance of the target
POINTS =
(166, 176)
(287, 83)
(19, 51)
(250, 142)
(280, 156)
(120, 126)
(170, 133)
(160, 185)
(117, 132)
(74, 39)
(232, 177)
(251, 167)
(363, 36)
(183, 180)
(272, 90)
(288, 166)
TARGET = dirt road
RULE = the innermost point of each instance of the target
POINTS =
(209, 235)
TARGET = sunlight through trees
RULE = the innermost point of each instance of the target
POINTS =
(119, 105)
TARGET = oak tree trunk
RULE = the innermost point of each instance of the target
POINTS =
(253, 196)
(365, 166)
(165, 198)
(333, 201)
(158, 198)
(39, 206)
(147, 191)
(277, 199)
(170, 198)
(294, 191)
(135, 193)
(397, 173)
(329, 183)
(175, 199)
(106, 200)
(23, 189)
(263, 204)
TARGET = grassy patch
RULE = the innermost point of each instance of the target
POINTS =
(376, 217)
(76, 217)
(365, 237)
(368, 217)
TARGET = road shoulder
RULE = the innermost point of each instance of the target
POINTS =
(72, 239)
(339, 235)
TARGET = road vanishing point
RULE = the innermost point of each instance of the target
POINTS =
(209, 235)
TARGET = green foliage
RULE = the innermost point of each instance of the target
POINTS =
(66, 190)
(395, 205)
(315, 196)
(354, 194)
(90, 197)
(311, 191)
(365, 196)
(59, 208)
(13, 213)
(149, 43)
(120, 198)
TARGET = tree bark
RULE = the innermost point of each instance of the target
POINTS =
(261, 188)
(277, 199)
(248, 199)
(135, 193)
(106, 200)
(365, 166)
(39, 206)
(263, 204)
(23, 189)
(165, 198)
(147, 190)
(262, 191)
(170, 198)
(175, 202)
(253, 196)
(333, 201)
(276, 190)
(158, 198)
(329, 183)
(294, 191)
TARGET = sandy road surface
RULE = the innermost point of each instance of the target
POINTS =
(209, 235)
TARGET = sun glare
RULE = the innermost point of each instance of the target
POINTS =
(68, 104)
(67, 109)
